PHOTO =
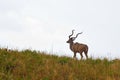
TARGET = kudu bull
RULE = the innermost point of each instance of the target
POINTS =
(77, 47)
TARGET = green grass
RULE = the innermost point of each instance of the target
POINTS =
(34, 65)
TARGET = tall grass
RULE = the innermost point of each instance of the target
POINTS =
(33, 65)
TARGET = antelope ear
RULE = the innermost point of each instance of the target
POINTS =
(73, 38)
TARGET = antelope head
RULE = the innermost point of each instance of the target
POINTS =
(71, 39)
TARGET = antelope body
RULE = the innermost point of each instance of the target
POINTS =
(77, 47)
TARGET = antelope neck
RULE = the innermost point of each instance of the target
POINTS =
(71, 45)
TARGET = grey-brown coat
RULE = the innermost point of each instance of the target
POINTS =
(77, 47)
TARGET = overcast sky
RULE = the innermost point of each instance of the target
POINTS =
(45, 25)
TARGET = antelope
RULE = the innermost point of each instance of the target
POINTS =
(77, 47)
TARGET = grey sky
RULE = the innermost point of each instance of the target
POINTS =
(46, 24)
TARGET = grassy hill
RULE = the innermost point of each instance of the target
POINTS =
(33, 65)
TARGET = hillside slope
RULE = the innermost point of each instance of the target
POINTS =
(33, 65)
